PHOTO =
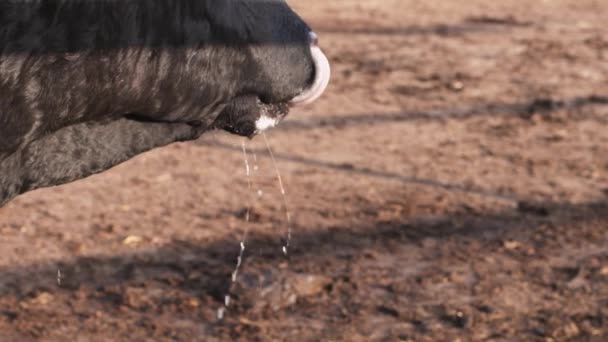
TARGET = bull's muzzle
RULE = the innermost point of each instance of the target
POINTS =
(321, 79)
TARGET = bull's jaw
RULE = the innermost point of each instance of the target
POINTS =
(265, 122)
(248, 116)
(270, 116)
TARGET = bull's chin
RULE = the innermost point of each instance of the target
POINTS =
(249, 116)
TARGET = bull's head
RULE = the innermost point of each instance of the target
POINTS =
(164, 60)
(283, 65)
(89, 84)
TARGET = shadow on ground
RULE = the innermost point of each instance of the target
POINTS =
(212, 262)
(471, 25)
(542, 106)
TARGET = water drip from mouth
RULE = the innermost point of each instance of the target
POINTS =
(287, 243)
(256, 196)
(243, 241)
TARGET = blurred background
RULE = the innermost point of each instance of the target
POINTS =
(451, 185)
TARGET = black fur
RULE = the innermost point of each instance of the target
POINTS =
(87, 84)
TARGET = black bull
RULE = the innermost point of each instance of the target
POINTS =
(88, 84)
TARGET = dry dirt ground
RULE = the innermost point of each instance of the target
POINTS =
(452, 185)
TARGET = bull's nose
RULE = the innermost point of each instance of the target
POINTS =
(322, 75)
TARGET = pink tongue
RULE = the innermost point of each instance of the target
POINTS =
(321, 81)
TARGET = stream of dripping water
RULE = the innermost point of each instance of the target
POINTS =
(283, 194)
(239, 260)
(221, 311)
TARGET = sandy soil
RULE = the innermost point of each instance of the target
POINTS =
(452, 185)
